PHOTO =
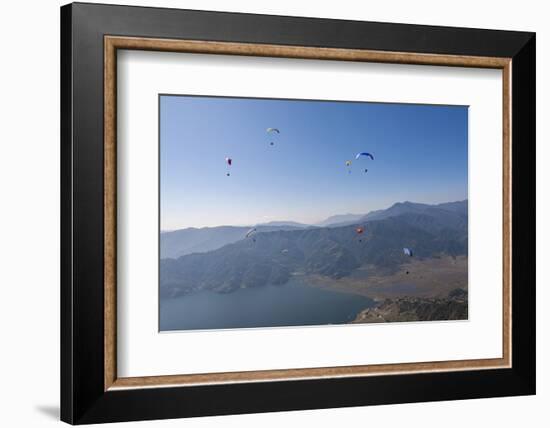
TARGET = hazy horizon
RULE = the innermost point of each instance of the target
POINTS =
(311, 224)
(420, 151)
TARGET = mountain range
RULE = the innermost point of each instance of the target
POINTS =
(178, 243)
(278, 252)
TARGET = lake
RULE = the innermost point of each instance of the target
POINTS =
(292, 304)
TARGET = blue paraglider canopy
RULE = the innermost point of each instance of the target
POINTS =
(358, 155)
(407, 252)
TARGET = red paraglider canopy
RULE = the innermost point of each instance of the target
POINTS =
(359, 230)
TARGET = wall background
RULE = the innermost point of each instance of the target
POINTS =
(29, 213)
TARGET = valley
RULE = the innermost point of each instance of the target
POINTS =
(366, 259)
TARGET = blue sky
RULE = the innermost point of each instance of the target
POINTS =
(420, 151)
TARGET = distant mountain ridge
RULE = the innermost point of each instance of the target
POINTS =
(340, 220)
(275, 255)
(459, 207)
(178, 243)
(285, 224)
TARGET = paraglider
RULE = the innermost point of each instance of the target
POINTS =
(348, 164)
(366, 154)
(228, 161)
(285, 251)
(359, 231)
(272, 131)
(251, 233)
(408, 252)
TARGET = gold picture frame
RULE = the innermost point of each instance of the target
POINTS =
(114, 43)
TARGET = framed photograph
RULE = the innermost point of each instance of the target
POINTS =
(316, 212)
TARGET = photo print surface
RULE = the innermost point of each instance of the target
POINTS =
(281, 212)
